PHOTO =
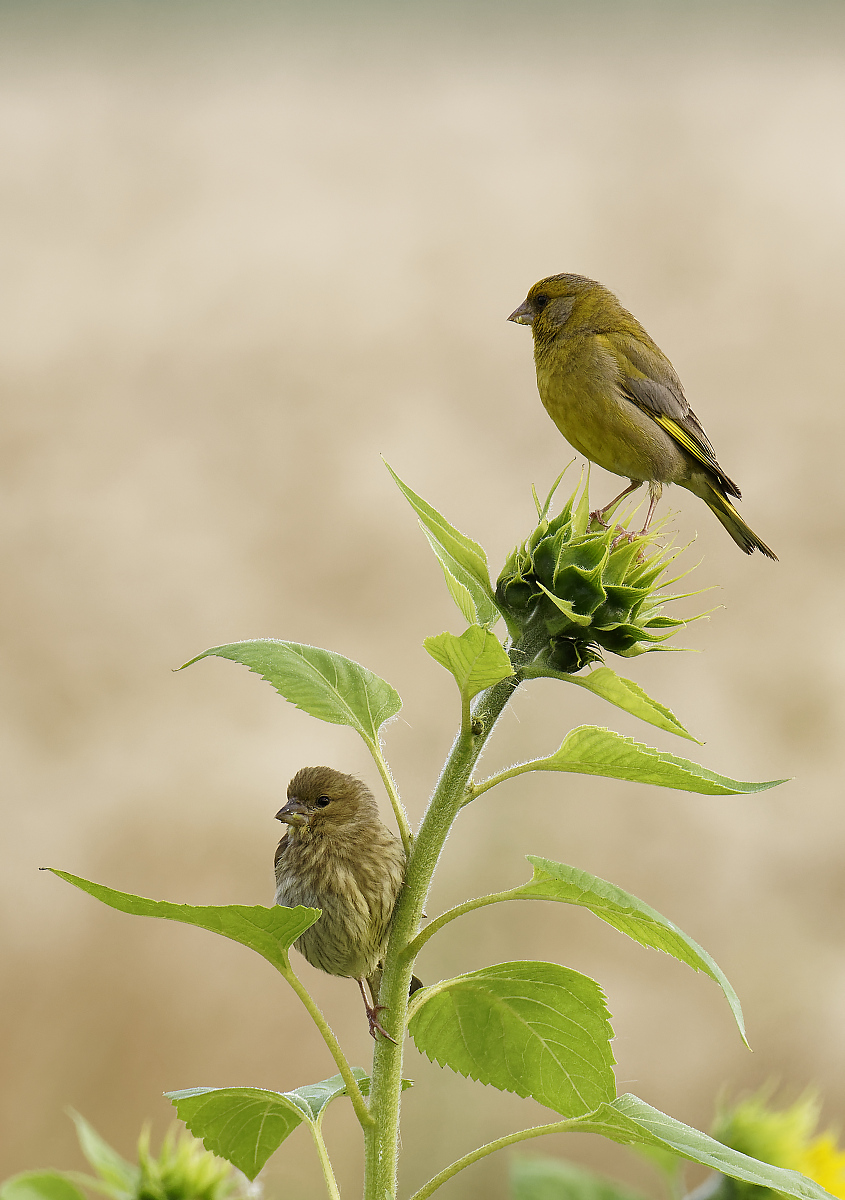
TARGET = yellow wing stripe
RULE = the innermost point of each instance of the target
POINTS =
(683, 438)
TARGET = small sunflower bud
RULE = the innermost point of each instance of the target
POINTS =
(592, 589)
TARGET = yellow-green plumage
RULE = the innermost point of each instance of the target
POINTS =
(616, 398)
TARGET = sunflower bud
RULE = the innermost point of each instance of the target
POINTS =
(185, 1170)
(785, 1137)
(591, 589)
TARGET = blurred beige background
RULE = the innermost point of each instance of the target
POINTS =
(247, 249)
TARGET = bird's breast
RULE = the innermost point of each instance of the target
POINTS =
(356, 893)
(580, 389)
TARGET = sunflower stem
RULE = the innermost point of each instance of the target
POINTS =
(451, 792)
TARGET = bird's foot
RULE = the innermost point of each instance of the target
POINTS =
(598, 515)
(630, 535)
(376, 1025)
(625, 535)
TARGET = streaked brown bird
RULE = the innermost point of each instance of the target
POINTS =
(337, 855)
(616, 398)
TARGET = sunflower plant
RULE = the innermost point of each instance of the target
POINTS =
(571, 594)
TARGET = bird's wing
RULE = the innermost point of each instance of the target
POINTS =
(648, 380)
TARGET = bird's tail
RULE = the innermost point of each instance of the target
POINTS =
(720, 505)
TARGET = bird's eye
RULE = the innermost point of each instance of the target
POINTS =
(323, 801)
(540, 302)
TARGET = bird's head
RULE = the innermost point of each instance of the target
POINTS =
(322, 799)
(559, 299)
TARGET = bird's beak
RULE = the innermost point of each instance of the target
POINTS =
(522, 315)
(294, 813)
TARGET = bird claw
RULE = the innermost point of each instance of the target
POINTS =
(375, 1024)
(597, 516)
(630, 535)
(624, 535)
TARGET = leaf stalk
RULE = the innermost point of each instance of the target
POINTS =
(325, 1161)
(393, 793)
(413, 948)
(359, 1104)
(499, 1144)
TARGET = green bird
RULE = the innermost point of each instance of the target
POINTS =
(616, 398)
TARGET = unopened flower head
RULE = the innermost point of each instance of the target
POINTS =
(591, 588)
(784, 1137)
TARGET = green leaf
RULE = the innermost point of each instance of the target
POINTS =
(460, 594)
(557, 881)
(270, 932)
(39, 1185)
(120, 1176)
(624, 693)
(246, 1125)
(534, 1028)
(243, 1125)
(557, 1179)
(566, 608)
(631, 1121)
(463, 561)
(477, 658)
(590, 750)
(320, 682)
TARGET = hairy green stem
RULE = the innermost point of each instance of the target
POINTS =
(390, 787)
(536, 764)
(352, 1089)
(468, 1159)
(325, 1161)
(466, 716)
(451, 793)
(413, 948)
